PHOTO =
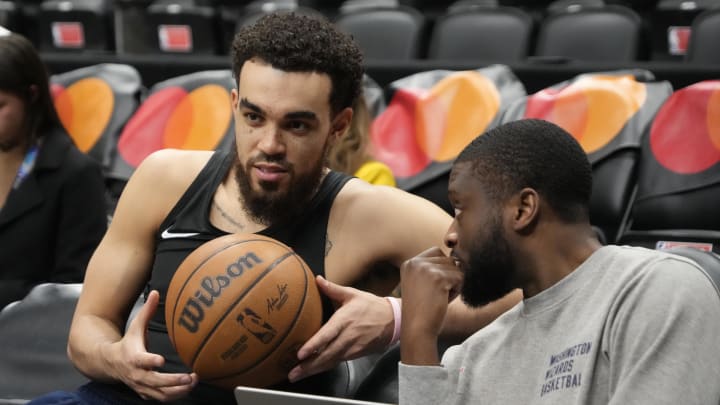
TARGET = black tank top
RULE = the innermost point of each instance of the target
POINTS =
(188, 226)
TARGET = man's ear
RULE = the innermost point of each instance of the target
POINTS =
(526, 208)
(341, 123)
(234, 99)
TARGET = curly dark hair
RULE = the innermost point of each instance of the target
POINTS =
(299, 43)
(537, 154)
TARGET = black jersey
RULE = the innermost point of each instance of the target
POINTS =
(187, 226)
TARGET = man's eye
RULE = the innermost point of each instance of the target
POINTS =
(298, 126)
(252, 117)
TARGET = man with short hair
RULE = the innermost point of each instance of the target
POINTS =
(297, 78)
(597, 325)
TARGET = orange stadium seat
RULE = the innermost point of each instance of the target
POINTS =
(432, 116)
(186, 112)
(679, 173)
(607, 113)
(94, 103)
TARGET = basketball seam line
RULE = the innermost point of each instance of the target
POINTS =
(171, 328)
(289, 329)
(249, 288)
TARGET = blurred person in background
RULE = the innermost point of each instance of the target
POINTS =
(52, 201)
(351, 154)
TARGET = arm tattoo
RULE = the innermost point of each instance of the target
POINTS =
(328, 244)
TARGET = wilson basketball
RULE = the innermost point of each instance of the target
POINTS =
(239, 307)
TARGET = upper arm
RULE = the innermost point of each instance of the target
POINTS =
(121, 263)
(662, 339)
(404, 225)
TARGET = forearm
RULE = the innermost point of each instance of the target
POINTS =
(91, 347)
(462, 321)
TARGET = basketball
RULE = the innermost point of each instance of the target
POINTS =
(238, 309)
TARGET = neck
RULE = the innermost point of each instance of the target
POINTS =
(554, 254)
(11, 159)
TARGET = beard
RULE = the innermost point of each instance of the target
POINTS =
(490, 274)
(272, 205)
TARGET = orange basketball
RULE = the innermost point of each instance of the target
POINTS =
(239, 307)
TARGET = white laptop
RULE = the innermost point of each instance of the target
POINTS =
(254, 396)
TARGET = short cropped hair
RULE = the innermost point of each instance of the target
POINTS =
(299, 43)
(537, 154)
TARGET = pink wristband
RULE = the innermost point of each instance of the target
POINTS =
(397, 315)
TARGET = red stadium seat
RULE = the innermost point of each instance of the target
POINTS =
(186, 112)
(679, 173)
(94, 103)
(607, 113)
(432, 116)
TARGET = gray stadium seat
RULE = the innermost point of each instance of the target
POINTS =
(385, 33)
(75, 25)
(608, 34)
(487, 34)
(33, 337)
(703, 47)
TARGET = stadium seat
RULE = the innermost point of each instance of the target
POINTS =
(9, 15)
(562, 6)
(94, 103)
(254, 12)
(703, 46)
(432, 116)
(679, 174)
(186, 112)
(709, 261)
(669, 26)
(183, 27)
(75, 25)
(483, 34)
(607, 34)
(468, 5)
(33, 337)
(385, 33)
(607, 113)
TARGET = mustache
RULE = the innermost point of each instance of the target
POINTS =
(273, 159)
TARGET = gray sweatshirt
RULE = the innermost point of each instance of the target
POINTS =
(629, 326)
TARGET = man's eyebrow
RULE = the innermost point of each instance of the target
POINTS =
(301, 115)
(306, 115)
(250, 106)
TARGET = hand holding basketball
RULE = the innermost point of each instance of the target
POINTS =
(135, 366)
(362, 324)
(239, 307)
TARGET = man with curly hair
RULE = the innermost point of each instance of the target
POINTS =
(297, 79)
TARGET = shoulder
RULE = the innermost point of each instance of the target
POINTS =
(364, 199)
(162, 178)
(664, 279)
(172, 166)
